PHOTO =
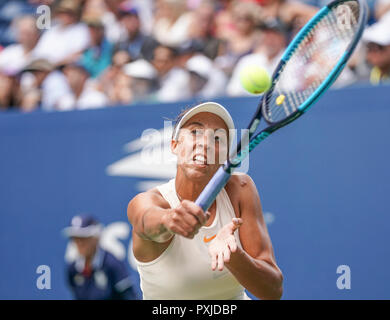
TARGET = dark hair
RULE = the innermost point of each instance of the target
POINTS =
(181, 115)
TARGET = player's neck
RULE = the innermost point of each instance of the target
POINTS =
(187, 189)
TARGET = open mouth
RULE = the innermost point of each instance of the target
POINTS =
(199, 159)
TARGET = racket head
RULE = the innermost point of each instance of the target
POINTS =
(313, 60)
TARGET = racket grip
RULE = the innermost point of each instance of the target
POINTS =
(210, 192)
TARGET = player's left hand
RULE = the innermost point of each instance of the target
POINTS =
(224, 244)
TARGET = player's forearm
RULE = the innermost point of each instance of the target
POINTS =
(259, 277)
(153, 227)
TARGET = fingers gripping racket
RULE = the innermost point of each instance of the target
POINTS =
(308, 67)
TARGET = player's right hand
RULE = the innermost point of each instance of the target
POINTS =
(186, 219)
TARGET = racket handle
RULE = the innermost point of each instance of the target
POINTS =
(210, 192)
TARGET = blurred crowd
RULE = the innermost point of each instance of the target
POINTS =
(98, 53)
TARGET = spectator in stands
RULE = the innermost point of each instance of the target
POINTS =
(135, 38)
(243, 39)
(206, 81)
(67, 39)
(8, 95)
(116, 32)
(42, 86)
(172, 21)
(143, 80)
(267, 54)
(108, 12)
(201, 29)
(114, 83)
(377, 39)
(187, 50)
(224, 25)
(293, 13)
(97, 57)
(173, 80)
(381, 8)
(96, 274)
(120, 58)
(16, 56)
(84, 93)
(119, 90)
(9, 12)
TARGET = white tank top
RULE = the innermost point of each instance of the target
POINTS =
(183, 270)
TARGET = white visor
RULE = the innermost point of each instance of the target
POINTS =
(86, 232)
(211, 107)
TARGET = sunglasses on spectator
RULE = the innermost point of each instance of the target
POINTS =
(375, 47)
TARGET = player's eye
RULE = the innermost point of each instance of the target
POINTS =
(196, 132)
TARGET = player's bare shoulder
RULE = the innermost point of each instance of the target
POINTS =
(240, 188)
(239, 182)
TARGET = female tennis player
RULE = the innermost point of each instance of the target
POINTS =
(185, 253)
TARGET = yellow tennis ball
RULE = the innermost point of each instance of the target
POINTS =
(255, 79)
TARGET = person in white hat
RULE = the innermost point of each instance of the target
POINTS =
(143, 81)
(206, 81)
(377, 39)
(184, 253)
(94, 273)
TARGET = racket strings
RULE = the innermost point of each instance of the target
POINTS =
(312, 61)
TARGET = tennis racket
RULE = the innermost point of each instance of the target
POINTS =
(310, 64)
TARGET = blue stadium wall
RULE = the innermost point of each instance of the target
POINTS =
(323, 181)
